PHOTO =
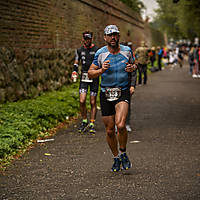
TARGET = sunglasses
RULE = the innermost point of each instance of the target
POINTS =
(112, 34)
(87, 36)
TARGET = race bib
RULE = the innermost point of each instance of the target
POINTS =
(85, 78)
(112, 94)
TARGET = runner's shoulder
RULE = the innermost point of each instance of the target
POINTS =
(124, 48)
(102, 50)
(80, 49)
(95, 48)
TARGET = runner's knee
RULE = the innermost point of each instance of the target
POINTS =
(82, 101)
(120, 125)
(110, 132)
(93, 102)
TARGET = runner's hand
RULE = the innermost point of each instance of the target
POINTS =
(130, 67)
(132, 90)
(105, 66)
(74, 75)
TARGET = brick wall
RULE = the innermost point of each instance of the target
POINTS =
(43, 27)
(59, 23)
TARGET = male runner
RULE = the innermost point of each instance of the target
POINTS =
(113, 62)
(85, 54)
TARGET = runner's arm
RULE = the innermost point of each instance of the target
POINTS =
(94, 70)
(130, 65)
(132, 81)
(76, 61)
(75, 68)
(133, 78)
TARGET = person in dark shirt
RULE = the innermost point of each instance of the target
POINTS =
(132, 84)
(85, 55)
(152, 55)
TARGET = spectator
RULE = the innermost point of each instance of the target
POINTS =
(142, 58)
(180, 57)
(191, 60)
(196, 61)
(160, 54)
(172, 58)
(152, 56)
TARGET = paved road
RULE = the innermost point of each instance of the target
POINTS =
(166, 165)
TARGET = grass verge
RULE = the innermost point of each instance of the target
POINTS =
(22, 122)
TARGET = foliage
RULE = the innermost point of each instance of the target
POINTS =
(135, 5)
(178, 20)
(23, 121)
(188, 18)
(165, 20)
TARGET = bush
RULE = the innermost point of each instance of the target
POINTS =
(23, 121)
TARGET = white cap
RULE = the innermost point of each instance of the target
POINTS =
(111, 29)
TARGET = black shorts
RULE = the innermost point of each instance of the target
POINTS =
(94, 86)
(108, 107)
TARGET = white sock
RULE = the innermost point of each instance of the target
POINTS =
(116, 156)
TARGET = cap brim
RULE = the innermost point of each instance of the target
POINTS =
(111, 32)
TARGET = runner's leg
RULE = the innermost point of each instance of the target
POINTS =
(94, 86)
(109, 122)
(121, 113)
(120, 120)
(83, 108)
(93, 107)
(92, 113)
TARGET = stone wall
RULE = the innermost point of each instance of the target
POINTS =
(27, 73)
(38, 38)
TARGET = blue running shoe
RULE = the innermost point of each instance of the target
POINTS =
(126, 164)
(116, 165)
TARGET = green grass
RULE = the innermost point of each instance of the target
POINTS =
(24, 121)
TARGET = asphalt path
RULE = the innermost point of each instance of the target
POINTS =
(164, 148)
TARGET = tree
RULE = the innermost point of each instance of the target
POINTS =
(188, 18)
(179, 19)
(166, 20)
